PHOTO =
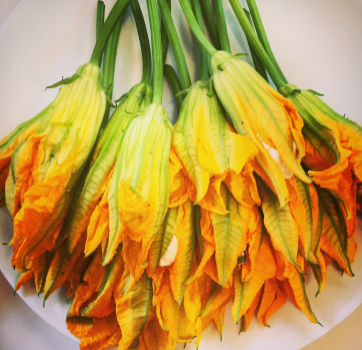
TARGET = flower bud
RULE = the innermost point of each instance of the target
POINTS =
(51, 161)
(105, 156)
(139, 191)
(207, 146)
(261, 114)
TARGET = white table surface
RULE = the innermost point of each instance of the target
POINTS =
(21, 328)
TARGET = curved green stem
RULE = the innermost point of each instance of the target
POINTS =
(164, 37)
(101, 8)
(221, 25)
(254, 41)
(144, 41)
(110, 55)
(111, 21)
(175, 44)
(156, 51)
(204, 57)
(186, 8)
(257, 63)
(210, 22)
(174, 81)
(258, 23)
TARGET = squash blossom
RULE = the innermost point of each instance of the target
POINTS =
(210, 151)
(10, 144)
(263, 115)
(333, 149)
(139, 190)
(48, 164)
(91, 212)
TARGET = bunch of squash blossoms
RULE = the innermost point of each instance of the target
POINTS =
(153, 228)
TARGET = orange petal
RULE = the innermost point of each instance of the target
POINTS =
(297, 285)
(104, 304)
(272, 300)
(265, 268)
(92, 282)
(103, 334)
(153, 337)
(24, 278)
(60, 267)
(248, 316)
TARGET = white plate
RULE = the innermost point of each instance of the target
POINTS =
(318, 45)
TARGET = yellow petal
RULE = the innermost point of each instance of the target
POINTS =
(163, 238)
(265, 268)
(175, 319)
(297, 284)
(248, 316)
(133, 309)
(230, 236)
(301, 207)
(181, 268)
(333, 232)
(280, 224)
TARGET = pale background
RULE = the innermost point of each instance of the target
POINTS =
(21, 328)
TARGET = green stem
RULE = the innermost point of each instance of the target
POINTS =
(174, 81)
(195, 27)
(164, 37)
(254, 41)
(257, 63)
(100, 18)
(156, 51)
(110, 55)
(204, 57)
(258, 23)
(175, 44)
(210, 22)
(221, 25)
(110, 23)
(144, 41)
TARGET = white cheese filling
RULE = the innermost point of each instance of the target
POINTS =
(278, 159)
(170, 254)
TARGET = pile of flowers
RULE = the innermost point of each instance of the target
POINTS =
(155, 228)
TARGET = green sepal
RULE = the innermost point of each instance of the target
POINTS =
(289, 90)
(123, 97)
(315, 92)
(65, 81)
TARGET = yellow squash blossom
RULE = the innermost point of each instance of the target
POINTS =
(12, 143)
(338, 137)
(207, 147)
(333, 149)
(139, 191)
(263, 115)
(101, 170)
(54, 158)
